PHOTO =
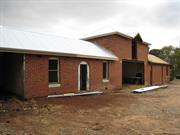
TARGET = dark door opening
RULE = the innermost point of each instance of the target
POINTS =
(11, 75)
(133, 72)
(83, 77)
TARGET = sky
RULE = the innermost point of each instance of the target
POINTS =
(157, 21)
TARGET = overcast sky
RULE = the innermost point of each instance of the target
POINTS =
(158, 21)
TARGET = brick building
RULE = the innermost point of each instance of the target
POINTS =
(38, 65)
(135, 63)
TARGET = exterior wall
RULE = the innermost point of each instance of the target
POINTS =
(142, 55)
(36, 75)
(166, 77)
(36, 72)
(142, 52)
(122, 48)
(148, 74)
(158, 75)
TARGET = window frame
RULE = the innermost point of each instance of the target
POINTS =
(107, 71)
(54, 84)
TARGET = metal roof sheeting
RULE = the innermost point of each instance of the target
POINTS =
(154, 59)
(12, 40)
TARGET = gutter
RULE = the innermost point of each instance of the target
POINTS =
(159, 63)
(56, 54)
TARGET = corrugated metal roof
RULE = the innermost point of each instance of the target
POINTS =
(154, 59)
(12, 40)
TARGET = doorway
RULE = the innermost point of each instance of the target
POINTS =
(133, 72)
(11, 74)
(83, 77)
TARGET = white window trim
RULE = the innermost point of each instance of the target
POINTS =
(105, 80)
(54, 84)
(107, 71)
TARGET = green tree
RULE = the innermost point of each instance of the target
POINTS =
(168, 53)
(176, 60)
(157, 52)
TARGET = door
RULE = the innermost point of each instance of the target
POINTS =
(83, 77)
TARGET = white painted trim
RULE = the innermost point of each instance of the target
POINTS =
(56, 54)
(105, 80)
(79, 81)
(107, 71)
(54, 85)
(53, 58)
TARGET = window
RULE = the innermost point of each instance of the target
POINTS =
(53, 70)
(105, 70)
(167, 71)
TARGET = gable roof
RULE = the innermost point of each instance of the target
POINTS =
(157, 60)
(12, 40)
(137, 35)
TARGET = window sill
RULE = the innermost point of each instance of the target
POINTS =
(105, 80)
(54, 85)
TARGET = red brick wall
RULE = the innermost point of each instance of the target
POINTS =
(142, 52)
(148, 74)
(158, 74)
(36, 75)
(122, 48)
(166, 78)
(142, 55)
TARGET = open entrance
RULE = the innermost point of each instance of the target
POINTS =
(11, 75)
(132, 72)
(83, 78)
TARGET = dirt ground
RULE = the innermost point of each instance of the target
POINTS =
(117, 113)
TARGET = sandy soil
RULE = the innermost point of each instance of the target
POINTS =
(117, 113)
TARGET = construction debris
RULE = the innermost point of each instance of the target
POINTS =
(76, 94)
(151, 88)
